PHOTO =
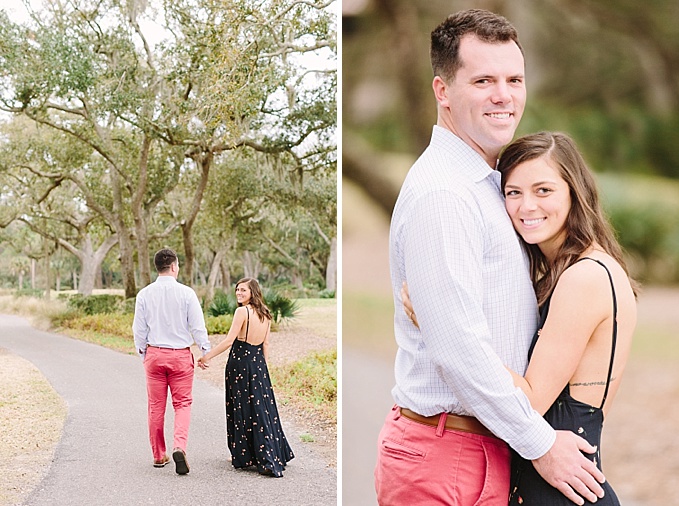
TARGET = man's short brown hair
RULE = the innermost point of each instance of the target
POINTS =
(163, 259)
(445, 39)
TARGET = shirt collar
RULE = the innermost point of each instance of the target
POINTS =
(166, 279)
(476, 167)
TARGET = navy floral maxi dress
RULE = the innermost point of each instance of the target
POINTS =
(253, 427)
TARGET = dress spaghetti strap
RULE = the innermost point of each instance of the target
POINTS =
(247, 328)
(615, 327)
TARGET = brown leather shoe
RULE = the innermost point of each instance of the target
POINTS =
(180, 462)
(162, 462)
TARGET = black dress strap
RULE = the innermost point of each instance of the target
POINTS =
(247, 328)
(615, 327)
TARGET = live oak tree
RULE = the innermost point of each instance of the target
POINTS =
(154, 115)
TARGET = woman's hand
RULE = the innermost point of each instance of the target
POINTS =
(203, 362)
(407, 305)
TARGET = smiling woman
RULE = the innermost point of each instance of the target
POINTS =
(587, 300)
(538, 201)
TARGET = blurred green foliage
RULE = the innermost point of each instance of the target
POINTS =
(644, 211)
(218, 324)
(96, 304)
(311, 381)
(223, 303)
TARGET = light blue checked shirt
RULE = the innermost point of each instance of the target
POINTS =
(167, 314)
(453, 243)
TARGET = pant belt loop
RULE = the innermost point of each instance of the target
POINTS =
(442, 424)
(397, 411)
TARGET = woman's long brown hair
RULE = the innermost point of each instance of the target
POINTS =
(256, 298)
(586, 223)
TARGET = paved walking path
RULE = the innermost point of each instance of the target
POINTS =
(104, 456)
(367, 381)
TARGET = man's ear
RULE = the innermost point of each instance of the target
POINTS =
(440, 91)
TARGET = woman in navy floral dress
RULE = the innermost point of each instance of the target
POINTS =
(254, 433)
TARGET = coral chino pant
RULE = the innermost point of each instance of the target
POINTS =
(421, 465)
(173, 369)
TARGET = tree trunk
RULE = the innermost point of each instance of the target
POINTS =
(205, 163)
(141, 215)
(331, 270)
(226, 274)
(48, 281)
(90, 261)
(251, 265)
(141, 229)
(212, 278)
(21, 281)
(88, 276)
(297, 280)
(127, 266)
(32, 273)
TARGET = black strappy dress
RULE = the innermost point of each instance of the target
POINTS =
(528, 488)
(253, 427)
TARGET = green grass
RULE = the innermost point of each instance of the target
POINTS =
(110, 330)
(655, 343)
(317, 303)
(319, 315)
(368, 322)
(311, 382)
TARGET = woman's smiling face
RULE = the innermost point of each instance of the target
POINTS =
(243, 294)
(538, 201)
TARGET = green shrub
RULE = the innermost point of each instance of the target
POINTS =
(218, 324)
(644, 211)
(128, 305)
(281, 307)
(112, 324)
(113, 331)
(30, 292)
(312, 380)
(326, 294)
(96, 304)
(223, 303)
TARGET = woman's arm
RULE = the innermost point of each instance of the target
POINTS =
(236, 326)
(580, 303)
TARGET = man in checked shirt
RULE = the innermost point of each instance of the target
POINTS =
(457, 412)
(167, 320)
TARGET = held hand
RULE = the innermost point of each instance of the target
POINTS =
(203, 363)
(566, 469)
(407, 305)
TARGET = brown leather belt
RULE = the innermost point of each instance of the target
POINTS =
(453, 422)
(169, 349)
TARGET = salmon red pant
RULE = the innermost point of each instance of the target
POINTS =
(419, 465)
(168, 369)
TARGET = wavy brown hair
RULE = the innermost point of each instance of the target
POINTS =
(585, 224)
(256, 298)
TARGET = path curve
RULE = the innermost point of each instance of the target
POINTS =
(104, 456)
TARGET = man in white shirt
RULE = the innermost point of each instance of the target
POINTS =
(457, 411)
(167, 320)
